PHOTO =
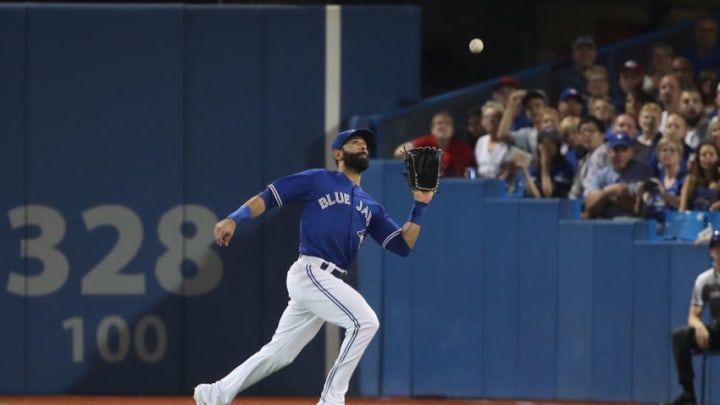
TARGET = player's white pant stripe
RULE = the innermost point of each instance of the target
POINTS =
(389, 237)
(352, 317)
(278, 200)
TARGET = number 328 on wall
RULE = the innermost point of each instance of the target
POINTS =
(106, 277)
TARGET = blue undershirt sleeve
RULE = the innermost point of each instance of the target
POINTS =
(398, 246)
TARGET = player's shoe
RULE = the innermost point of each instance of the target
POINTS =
(683, 399)
(198, 394)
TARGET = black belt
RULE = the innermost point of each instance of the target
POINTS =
(335, 271)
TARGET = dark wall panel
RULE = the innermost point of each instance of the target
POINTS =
(612, 317)
(396, 316)
(222, 122)
(500, 303)
(538, 291)
(575, 315)
(447, 360)
(13, 183)
(651, 317)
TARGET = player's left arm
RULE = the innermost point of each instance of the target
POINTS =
(411, 228)
(400, 240)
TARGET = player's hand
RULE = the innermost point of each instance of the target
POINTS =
(224, 230)
(702, 337)
(423, 196)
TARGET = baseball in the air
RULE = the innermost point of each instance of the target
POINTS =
(476, 45)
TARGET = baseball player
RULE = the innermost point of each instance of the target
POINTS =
(697, 336)
(337, 214)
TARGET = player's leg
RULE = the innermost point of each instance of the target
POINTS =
(714, 331)
(683, 340)
(297, 326)
(338, 303)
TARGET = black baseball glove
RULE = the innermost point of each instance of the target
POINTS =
(423, 168)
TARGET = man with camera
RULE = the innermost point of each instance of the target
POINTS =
(612, 189)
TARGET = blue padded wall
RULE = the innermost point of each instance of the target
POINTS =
(360, 56)
(537, 292)
(79, 149)
(499, 311)
(575, 283)
(612, 317)
(651, 316)
(396, 313)
(127, 155)
(447, 280)
(219, 101)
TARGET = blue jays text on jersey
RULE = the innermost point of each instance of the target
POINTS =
(336, 215)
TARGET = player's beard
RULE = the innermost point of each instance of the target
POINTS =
(355, 162)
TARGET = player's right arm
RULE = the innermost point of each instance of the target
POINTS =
(225, 228)
(286, 190)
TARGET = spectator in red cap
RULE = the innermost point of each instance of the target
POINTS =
(584, 53)
(631, 82)
(457, 154)
(502, 89)
(501, 93)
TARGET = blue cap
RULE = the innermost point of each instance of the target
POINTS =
(619, 138)
(364, 133)
(570, 92)
(715, 237)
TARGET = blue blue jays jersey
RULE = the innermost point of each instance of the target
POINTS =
(336, 214)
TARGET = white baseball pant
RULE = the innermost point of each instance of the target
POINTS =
(316, 296)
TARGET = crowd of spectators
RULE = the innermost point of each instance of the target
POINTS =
(635, 145)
